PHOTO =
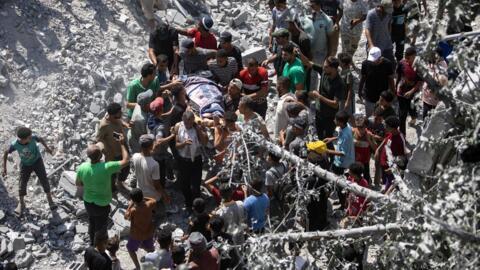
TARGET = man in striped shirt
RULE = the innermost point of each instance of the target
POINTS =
(255, 85)
(223, 68)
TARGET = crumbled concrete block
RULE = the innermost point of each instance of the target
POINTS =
(259, 53)
(34, 229)
(3, 247)
(80, 228)
(67, 182)
(120, 222)
(42, 253)
(2, 214)
(4, 229)
(23, 259)
(18, 243)
(239, 19)
(3, 81)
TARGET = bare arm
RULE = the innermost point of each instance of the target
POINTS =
(152, 56)
(130, 105)
(368, 35)
(348, 101)
(361, 85)
(333, 103)
(5, 157)
(260, 94)
(202, 136)
(181, 31)
(391, 84)
(125, 159)
(42, 141)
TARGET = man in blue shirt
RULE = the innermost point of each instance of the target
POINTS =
(256, 206)
(344, 153)
(30, 161)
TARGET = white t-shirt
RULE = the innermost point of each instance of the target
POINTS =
(157, 260)
(275, 173)
(233, 214)
(146, 171)
(281, 115)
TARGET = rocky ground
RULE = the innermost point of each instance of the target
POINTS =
(61, 62)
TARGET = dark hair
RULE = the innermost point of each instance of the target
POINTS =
(257, 184)
(252, 62)
(11, 266)
(356, 168)
(280, 1)
(302, 96)
(294, 108)
(114, 108)
(113, 244)
(198, 205)
(387, 96)
(379, 111)
(226, 191)
(178, 254)
(410, 51)
(392, 122)
(24, 132)
(248, 101)
(345, 58)
(274, 157)
(230, 116)
(333, 62)
(216, 224)
(100, 237)
(285, 81)
(289, 48)
(147, 69)
(164, 238)
(162, 58)
(342, 117)
(136, 195)
(222, 53)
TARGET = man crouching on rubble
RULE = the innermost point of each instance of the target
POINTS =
(30, 161)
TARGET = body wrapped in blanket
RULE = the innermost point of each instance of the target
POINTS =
(205, 96)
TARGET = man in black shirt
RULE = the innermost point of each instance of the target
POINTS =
(232, 51)
(329, 96)
(376, 77)
(95, 257)
(399, 26)
(164, 40)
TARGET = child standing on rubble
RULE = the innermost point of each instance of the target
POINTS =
(30, 161)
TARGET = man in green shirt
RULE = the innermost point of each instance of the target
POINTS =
(95, 179)
(149, 80)
(293, 69)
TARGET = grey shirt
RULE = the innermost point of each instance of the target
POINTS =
(198, 61)
(379, 29)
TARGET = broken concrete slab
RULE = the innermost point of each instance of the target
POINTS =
(67, 182)
(81, 228)
(121, 224)
(18, 243)
(239, 19)
(23, 259)
(258, 53)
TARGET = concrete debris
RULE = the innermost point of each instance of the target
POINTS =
(23, 259)
(3, 81)
(2, 215)
(258, 53)
(67, 182)
(121, 224)
(18, 243)
(239, 19)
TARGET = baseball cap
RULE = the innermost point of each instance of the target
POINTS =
(197, 241)
(318, 147)
(387, 6)
(157, 105)
(299, 123)
(146, 140)
(207, 23)
(145, 97)
(225, 37)
(374, 54)
(237, 82)
(282, 32)
(187, 43)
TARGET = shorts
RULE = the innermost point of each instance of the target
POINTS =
(133, 245)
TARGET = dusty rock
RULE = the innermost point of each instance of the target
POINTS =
(23, 259)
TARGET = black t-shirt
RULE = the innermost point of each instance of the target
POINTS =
(386, 112)
(162, 41)
(303, 42)
(237, 54)
(376, 78)
(96, 260)
(331, 89)
(330, 7)
(399, 16)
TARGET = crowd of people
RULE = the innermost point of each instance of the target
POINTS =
(164, 138)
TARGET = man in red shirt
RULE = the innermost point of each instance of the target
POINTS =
(202, 258)
(201, 34)
(392, 150)
(255, 85)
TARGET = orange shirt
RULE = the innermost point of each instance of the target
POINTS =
(140, 216)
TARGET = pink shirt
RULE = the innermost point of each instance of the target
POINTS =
(428, 96)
